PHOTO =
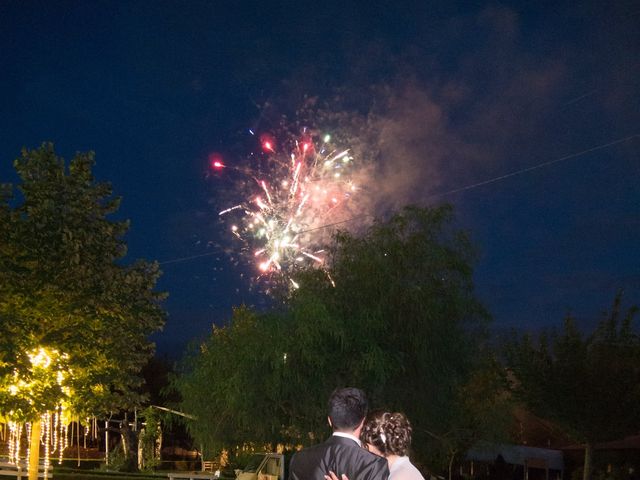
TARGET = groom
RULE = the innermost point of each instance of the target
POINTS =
(342, 453)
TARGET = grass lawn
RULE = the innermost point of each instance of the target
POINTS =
(71, 474)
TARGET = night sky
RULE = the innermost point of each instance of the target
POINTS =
(524, 115)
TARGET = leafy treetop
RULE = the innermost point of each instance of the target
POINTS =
(65, 288)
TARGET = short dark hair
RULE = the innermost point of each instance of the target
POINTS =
(389, 432)
(347, 408)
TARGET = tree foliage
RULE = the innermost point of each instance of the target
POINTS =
(394, 313)
(228, 383)
(65, 291)
(588, 383)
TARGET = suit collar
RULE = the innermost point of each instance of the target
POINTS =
(349, 436)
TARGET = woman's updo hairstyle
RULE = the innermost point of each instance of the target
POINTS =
(388, 432)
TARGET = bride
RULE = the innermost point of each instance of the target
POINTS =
(388, 435)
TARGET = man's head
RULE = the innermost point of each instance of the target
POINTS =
(347, 409)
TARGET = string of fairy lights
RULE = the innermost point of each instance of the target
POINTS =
(54, 424)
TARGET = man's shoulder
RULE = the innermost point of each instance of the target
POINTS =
(340, 455)
(330, 442)
(313, 448)
(309, 452)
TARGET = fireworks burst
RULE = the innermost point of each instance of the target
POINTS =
(295, 190)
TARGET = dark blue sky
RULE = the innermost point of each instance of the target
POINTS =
(453, 94)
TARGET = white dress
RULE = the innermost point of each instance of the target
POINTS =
(403, 469)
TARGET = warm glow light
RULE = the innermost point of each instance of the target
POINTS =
(45, 420)
(40, 358)
(15, 436)
(48, 367)
(28, 426)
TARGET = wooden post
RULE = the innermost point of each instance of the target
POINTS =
(34, 450)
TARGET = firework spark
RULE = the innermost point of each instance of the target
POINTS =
(304, 185)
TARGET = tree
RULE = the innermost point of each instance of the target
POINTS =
(482, 409)
(408, 285)
(228, 384)
(75, 317)
(393, 312)
(150, 440)
(587, 383)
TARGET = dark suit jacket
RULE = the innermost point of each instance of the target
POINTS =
(339, 455)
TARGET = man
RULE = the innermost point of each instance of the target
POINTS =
(342, 453)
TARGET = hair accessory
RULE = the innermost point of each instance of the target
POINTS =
(383, 437)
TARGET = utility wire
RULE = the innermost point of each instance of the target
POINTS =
(184, 259)
(501, 177)
(535, 167)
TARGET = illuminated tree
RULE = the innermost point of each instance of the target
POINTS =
(67, 295)
(588, 383)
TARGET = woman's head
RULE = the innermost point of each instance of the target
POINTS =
(388, 433)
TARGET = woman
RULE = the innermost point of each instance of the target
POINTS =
(388, 435)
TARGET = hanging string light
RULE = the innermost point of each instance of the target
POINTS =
(46, 422)
(59, 434)
(56, 418)
(28, 428)
(64, 436)
(86, 431)
(18, 444)
(14, 442)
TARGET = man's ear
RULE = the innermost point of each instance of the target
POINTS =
(329, 420)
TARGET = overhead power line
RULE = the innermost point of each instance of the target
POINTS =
(184, 259)
(535, 167)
